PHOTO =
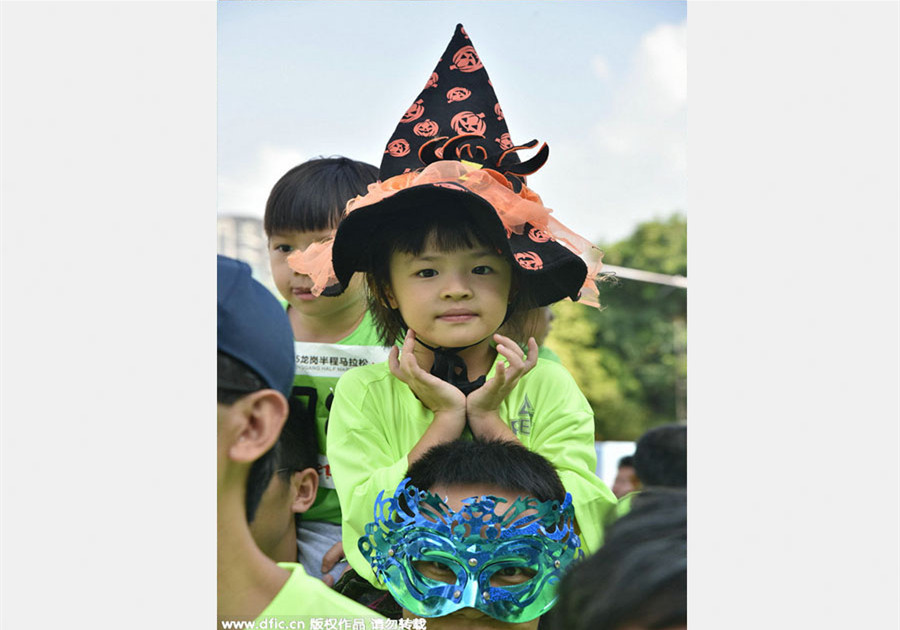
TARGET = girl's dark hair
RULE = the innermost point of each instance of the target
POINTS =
(312, 196)
(446, 231)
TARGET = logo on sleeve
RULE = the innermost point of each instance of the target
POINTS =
(522, 423)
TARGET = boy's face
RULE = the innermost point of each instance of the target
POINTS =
(471, 618)
(626, 481)
(451, 299)
(295, 287)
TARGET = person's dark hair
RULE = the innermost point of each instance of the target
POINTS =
(312, 196)
(660, 457)
(298, 444)
(443, 230)
(628, 460)
(507, 465)
(236, 380)
(638, 578)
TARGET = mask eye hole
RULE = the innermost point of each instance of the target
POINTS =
(436, 571)
(512, 576)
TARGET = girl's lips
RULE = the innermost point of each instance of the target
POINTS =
(457, 317)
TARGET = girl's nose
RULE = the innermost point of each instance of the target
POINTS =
(456, 287)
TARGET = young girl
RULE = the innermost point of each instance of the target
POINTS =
(451, 251)
(331, 334)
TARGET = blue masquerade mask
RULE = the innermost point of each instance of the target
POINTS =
(504, 560)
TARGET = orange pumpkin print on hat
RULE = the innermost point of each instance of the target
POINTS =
(427, 128)
(468, 122)
(398, 148)
(504, 141)
(466, 60)
(415, 110)
(458, 94)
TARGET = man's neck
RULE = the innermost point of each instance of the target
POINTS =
(247, 580)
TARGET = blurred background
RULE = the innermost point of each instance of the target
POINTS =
(603, 83)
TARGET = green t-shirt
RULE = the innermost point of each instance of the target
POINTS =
(376, 420)
(318, 368)
(303, 597)
(546, 353)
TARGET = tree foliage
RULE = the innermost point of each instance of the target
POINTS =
(630, 357)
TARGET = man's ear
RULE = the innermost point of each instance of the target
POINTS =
(262, 415)
(304, 485)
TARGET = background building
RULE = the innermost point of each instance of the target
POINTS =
(243, 237)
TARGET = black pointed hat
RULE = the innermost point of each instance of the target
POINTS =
(451, 154)
(458, 100)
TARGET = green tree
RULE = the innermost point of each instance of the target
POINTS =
(630, 357)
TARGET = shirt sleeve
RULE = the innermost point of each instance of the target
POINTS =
(564, 434)
(362, 462)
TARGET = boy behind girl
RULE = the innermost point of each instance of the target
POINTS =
(331, 333)
(254, 374)
(477, 536)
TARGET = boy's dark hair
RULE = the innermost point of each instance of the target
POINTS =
(628, 460)
(638, 578)
(298, 444)
(445, 231)
(507, 465)
(312, 195)
(660, 457)
(236, 380)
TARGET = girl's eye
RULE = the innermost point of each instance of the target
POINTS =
(426, 273)
(482, 270)
(284, 249)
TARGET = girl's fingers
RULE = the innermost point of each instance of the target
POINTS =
(531, 359)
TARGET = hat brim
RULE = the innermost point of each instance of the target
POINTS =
(561, 272)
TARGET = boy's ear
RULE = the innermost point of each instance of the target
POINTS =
(262, 415)
(304, 485)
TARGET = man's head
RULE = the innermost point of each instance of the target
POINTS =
(499, 574)
(626, 478)
(660, 457)
(255, 369)
(292, 488)
(638, 579)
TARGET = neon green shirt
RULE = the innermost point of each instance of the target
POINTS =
(624, 505)
(376, 420)
(546, 353)
(318, 367)
(303, 596)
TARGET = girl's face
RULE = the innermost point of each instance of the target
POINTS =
(451, 298)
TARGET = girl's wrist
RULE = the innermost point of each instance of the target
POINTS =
(451, 417)
(485, 424)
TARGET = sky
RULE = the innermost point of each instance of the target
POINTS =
(603, 83)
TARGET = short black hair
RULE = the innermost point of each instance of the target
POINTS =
(298, 444)
(507, 465)
(628, 460)
(448, 233)
(660, 457)
(312, 195)
(638, 578)
(236, 380)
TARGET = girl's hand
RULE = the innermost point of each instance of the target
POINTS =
(437, 395)
(482, 405)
